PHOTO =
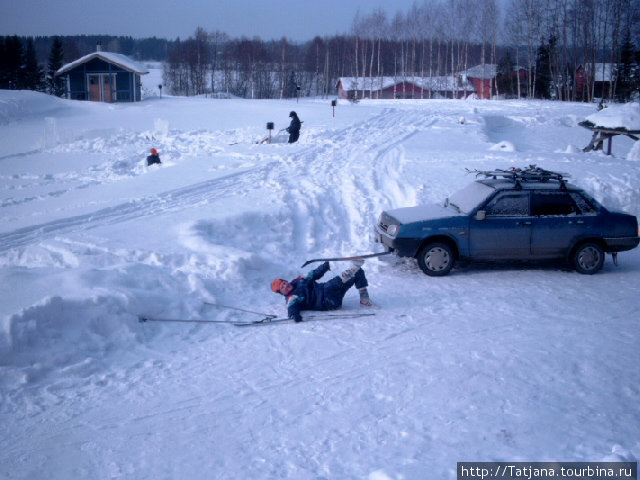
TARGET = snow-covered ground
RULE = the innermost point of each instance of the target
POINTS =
(490, 363)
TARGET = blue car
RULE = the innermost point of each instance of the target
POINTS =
(519, 214)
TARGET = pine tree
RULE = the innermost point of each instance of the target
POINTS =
(544, 79)
(3, 64)
(31, 73)
(11, 64)
(505, 78)
(55, 85)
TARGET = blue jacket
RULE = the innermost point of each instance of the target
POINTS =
(307, 294)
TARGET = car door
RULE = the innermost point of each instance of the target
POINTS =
(505, 230)
(558, 221)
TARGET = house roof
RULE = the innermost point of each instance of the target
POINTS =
(486, 71)
(116, 58)
(447, 83)
(604, 72)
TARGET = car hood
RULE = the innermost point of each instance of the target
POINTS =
(421, 213)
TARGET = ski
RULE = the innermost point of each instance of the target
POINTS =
(219, 305)
(341, 259)
(144, 319)
(308, 318)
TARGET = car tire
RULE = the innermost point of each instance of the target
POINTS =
(436, 259)
(588, 258)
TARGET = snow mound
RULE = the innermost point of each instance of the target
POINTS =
(625, 116)
(634, 153)
(65, 337)
(571, 149)
(18, 105)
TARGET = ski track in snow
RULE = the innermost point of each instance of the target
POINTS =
(490, 363)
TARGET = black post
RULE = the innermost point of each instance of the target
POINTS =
(160, 88)
(270, 128)
(333, 104)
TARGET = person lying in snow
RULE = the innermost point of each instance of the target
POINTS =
(305, 293)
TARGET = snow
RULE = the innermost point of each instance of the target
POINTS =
(514, 363)
(625, 116)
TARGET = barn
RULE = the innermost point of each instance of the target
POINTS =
(103, 77)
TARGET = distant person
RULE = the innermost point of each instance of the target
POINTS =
(153, 158)
(305, 293)
(294, 127)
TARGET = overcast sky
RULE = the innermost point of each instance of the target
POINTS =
(298, 20)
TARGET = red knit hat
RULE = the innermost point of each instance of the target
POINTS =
(276, 284)
(154, 151)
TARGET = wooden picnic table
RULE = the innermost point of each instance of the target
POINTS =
(600, 134)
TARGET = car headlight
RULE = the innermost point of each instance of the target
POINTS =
(393, 230)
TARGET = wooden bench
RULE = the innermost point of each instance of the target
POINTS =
(600, 134)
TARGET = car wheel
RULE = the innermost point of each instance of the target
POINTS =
(588, 258)
(436, 259)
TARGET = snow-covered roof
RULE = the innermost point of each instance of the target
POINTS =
(486, 71)
(617, 117)
(602, 72)
(117, 58)
(446, 83)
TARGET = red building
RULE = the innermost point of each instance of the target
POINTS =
(598, 74)
(402, 87)
(483, 79)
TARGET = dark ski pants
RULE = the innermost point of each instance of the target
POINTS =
(335, 289)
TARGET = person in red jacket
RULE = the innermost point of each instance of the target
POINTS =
(306, 293)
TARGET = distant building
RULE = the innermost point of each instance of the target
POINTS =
(402, 87)
(600, 75)
(103, 77)
(483, 79)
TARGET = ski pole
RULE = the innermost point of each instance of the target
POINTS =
(219, 305)
(340, 259)
(142, 319)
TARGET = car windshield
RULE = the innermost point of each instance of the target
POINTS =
(469, 197)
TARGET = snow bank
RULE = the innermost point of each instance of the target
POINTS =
(64, 337)
(616, 117)
(17, 105)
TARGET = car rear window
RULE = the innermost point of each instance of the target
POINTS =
(585, 205)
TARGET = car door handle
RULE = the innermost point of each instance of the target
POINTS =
(523, 224)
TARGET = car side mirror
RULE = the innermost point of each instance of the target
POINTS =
(481, 215)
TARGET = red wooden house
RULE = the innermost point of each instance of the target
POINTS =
(483, 79)
(601, 74)
(402, 87)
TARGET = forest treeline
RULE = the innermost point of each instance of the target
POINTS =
(551, 41)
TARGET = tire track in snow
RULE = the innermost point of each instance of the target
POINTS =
(194, 195)
(357, 160)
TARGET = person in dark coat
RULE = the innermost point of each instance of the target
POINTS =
(306, 293)
(153, 158)
(294, 127)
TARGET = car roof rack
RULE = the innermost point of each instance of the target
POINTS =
(531, 173)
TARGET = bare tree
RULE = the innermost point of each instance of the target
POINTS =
(487, 28)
